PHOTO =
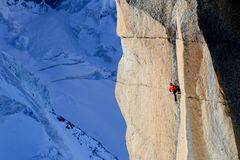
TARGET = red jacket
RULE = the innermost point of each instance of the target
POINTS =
(172, 88)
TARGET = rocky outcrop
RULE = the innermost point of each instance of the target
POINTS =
(192, 43)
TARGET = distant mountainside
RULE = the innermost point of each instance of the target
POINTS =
(58, 70)
(30, 128)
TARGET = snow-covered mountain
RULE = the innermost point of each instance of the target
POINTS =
(57, 72)
(30, 128)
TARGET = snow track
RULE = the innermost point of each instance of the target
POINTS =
(61, 64)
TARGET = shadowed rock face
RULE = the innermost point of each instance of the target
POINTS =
(202, 55)
(220, 24)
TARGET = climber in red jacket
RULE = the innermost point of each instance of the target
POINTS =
(174, 89)
(171, 87)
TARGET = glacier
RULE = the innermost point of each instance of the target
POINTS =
(57, 80)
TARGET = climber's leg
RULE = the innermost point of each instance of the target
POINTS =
(175, 96)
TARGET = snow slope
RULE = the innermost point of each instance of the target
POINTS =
(73, 51)
(29, 125)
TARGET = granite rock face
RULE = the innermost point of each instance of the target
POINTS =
(195, 44)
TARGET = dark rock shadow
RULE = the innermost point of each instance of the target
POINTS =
(219, 21)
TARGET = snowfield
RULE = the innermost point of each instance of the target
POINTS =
(57, 79)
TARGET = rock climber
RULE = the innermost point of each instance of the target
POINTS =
(174, 89)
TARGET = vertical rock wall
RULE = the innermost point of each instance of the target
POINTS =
(165, 41)
(144, 72)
